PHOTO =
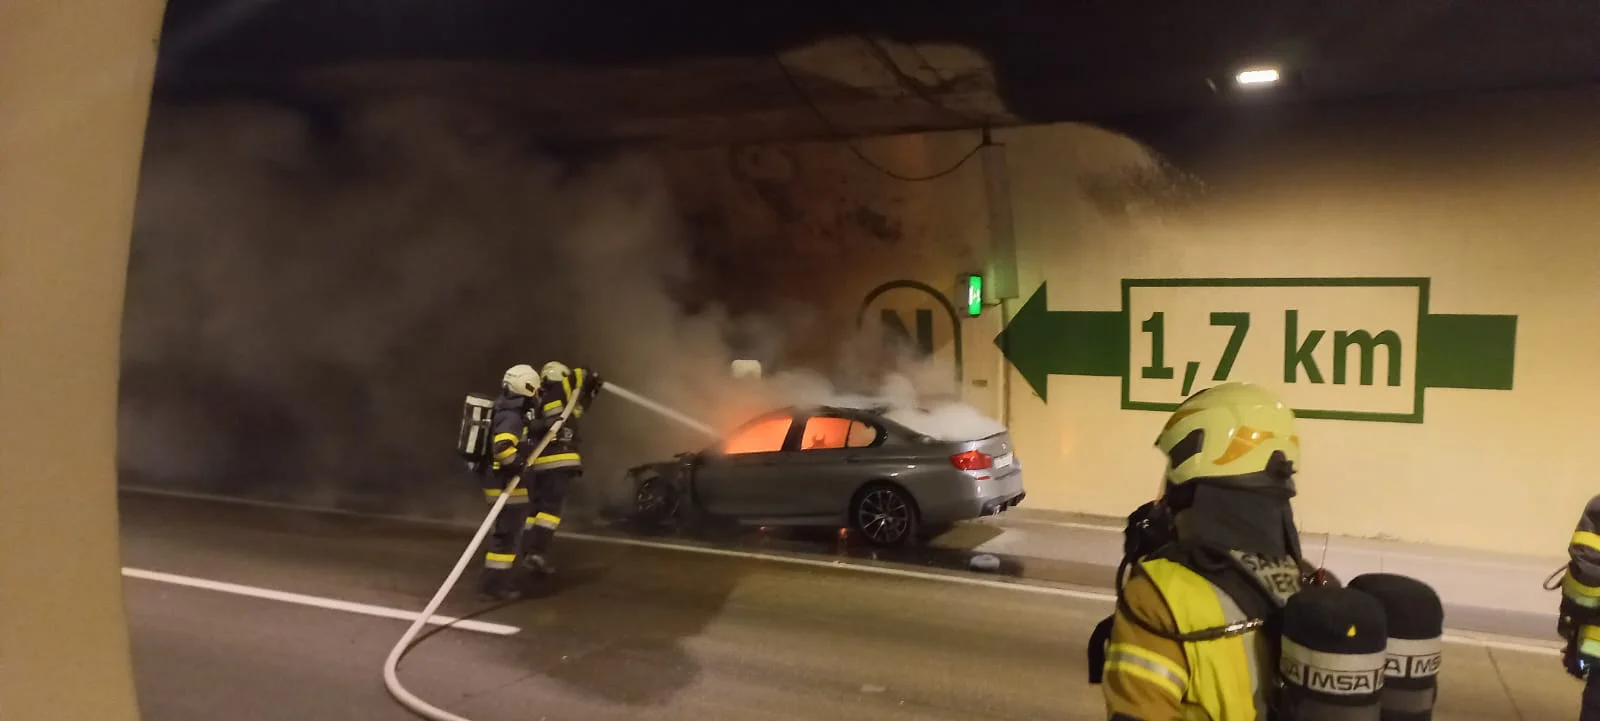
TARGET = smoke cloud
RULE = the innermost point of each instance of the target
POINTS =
(908, 395)
(308, 303)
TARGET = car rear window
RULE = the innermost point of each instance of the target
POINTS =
(829, 432)
(762, 436)
(861, 435)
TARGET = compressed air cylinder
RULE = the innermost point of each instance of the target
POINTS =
(1332, 656)
(1416, 626)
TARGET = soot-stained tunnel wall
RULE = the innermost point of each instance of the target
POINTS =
(306, 308)
(310, 296)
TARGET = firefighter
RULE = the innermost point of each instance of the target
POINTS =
(1184, 642)
(1579, 619)
(510, 441)
(560, 463)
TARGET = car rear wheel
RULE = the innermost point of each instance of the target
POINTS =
(884, 515)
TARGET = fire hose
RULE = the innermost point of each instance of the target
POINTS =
(391, 665)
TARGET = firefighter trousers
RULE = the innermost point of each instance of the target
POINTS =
(549, 493)
(501, 552)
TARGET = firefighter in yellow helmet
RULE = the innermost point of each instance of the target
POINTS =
(560, 463)
(1184, 642)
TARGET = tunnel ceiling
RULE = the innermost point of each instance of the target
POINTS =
(709, 71)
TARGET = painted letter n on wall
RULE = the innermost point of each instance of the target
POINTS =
(895, 331)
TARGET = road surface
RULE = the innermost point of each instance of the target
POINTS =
(628, 632)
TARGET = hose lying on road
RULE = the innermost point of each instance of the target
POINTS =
(391, 678)
(391, 665)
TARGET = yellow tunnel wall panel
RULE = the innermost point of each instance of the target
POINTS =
(1491, 201)
(75, 80)
(1494, 201)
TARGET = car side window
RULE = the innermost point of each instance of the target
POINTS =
(861, 435)
(823, 433)
(762, 436)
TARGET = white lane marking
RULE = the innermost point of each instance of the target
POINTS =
(1460, 639)
(1057, 524)
(498, 629)
(1494, 643)
(1309, 540)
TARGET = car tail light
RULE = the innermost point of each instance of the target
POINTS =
(972, 460)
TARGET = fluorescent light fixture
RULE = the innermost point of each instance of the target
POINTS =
(747, 369)
(1258, 76)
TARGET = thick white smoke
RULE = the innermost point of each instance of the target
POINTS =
(933, 416)
(307, 303)
(305, 310)
(904, 391)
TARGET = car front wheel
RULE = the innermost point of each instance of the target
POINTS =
(654, 500)
(884, 515)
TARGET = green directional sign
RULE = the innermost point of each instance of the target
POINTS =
(1339, 348)
(1040, 342)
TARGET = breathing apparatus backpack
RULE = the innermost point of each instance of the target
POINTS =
(472, 444)
(1369, 650)
(1149, 529)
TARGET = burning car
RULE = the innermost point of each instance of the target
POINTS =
(890, 475)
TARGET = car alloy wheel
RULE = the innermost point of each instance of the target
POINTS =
(649, 500)
(884, 516)
(652, 501)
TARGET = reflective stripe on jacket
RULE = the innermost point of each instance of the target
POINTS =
(1151, 678)
(553, 400)
(508, 427)
(1581, 586)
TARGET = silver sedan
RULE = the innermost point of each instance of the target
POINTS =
(885, 480)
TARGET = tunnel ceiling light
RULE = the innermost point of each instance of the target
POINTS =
(746, 368)
(1257, 76)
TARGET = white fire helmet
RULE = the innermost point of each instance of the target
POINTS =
(522, 380)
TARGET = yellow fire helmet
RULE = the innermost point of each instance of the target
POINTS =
(556, 371)
(1227, 431)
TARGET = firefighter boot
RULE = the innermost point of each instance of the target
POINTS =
(495, 584)
(534, 571)
(536, 566)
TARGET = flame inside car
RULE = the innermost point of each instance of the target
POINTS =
(759, 436)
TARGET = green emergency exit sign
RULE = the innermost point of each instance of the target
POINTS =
(974, 286)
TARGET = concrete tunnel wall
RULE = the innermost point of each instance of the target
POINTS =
(1476, 439)
(332, 295)
(75, 80)
(1490, 200)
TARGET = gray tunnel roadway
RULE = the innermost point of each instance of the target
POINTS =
(627, 632)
